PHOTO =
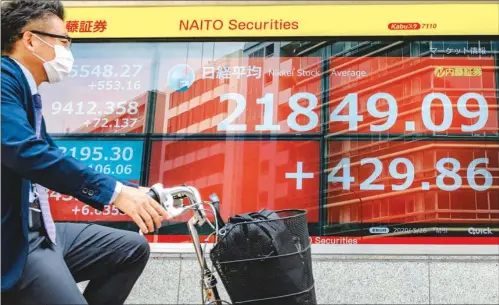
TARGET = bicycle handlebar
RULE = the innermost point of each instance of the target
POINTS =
(172, 200)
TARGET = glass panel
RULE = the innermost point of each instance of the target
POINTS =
(359, 133)
(107, 90)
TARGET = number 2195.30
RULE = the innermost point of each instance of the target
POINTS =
(268, 113)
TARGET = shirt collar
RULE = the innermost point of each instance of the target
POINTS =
(29, 77)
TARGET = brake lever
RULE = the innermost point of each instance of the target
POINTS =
(163, 197)
(216, 204)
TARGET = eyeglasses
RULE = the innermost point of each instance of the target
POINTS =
(65, 37)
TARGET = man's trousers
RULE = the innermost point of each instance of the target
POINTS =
(110, 259)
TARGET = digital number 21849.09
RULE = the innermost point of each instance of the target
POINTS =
(350, 102)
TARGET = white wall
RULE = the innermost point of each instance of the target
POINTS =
(345, 279)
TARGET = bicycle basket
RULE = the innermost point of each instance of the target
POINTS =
(267, 261)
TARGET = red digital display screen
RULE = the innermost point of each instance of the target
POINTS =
(275, 95)
(380, 145)
(246, 175)
(413, 182)
(400, 95)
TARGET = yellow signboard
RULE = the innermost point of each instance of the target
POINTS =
(307, 20)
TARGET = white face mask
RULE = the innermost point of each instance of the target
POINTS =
(59, 67)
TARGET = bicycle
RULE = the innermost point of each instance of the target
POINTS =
(172, 199)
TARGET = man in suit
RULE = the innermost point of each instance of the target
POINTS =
(43, 261)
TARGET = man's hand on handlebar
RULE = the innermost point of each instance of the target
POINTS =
(144, 189)
(144, 211)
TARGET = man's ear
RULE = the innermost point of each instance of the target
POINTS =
(27, 41)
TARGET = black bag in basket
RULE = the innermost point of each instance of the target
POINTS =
(260, 239)
(264, 258)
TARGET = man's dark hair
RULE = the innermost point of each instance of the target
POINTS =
(18, 13)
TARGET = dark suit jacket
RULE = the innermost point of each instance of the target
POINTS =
(26, 158)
